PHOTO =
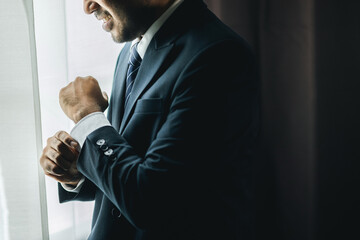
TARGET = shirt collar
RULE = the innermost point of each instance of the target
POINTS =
(149, 34)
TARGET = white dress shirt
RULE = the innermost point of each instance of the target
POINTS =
(97, 120)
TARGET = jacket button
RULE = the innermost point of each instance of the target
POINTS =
(116, 213)
(100, 142)
(109, 152)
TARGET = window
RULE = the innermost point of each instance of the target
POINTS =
(68, 44)
(22, 196)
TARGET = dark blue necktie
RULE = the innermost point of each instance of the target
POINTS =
(134, 65)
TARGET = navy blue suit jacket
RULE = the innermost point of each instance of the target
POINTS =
(176, 164)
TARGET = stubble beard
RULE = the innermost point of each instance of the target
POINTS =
(125, 33)
(133, 25)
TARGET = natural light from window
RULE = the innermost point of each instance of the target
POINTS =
(69, 44)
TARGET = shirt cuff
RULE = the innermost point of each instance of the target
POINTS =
(87, 125)
(71, 188)
(81, 130)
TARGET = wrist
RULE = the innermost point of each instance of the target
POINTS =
(72, 184)
(77, 116)
(74, 181)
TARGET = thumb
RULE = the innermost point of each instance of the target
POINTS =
(105, 96)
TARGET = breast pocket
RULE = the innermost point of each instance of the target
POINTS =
(150, 105)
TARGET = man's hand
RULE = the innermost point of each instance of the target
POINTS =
(82, 97)
(59, 158)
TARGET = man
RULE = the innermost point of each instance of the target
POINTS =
(173, 160)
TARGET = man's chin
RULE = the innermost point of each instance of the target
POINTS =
(117, 37)
(121, 36)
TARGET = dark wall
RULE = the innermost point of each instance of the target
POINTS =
(337, 39)
(307, 171)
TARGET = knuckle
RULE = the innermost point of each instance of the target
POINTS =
(91, 78)
(49, 140)
(52, 154)
(58, 134)
(66, 137)
(61, 92)
(42, 161)
(59, 146)
(64, 89)
(48, 168)
(44, 153)
(67, 140)
(56, 157)
(55, 169)
(70, 86)
(53, 142)
(62, 136)
(77, 81)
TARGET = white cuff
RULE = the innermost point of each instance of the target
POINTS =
(87, 125)
(72, 189)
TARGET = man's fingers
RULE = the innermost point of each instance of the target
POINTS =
(67, 179)
(50, 168)
(66, 138)
(58, 159)
(69, 153)
(76, 146)
(55, 177)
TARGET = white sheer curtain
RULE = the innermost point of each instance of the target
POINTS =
(22, 205)
(69, 44)
(52, 68)
(4, 213)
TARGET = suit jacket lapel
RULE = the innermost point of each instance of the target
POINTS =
(152, 62)
(158, 51)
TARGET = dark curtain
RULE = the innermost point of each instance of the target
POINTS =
(307, 171)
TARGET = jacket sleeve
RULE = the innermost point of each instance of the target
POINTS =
(183, 159)
(87, 193)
